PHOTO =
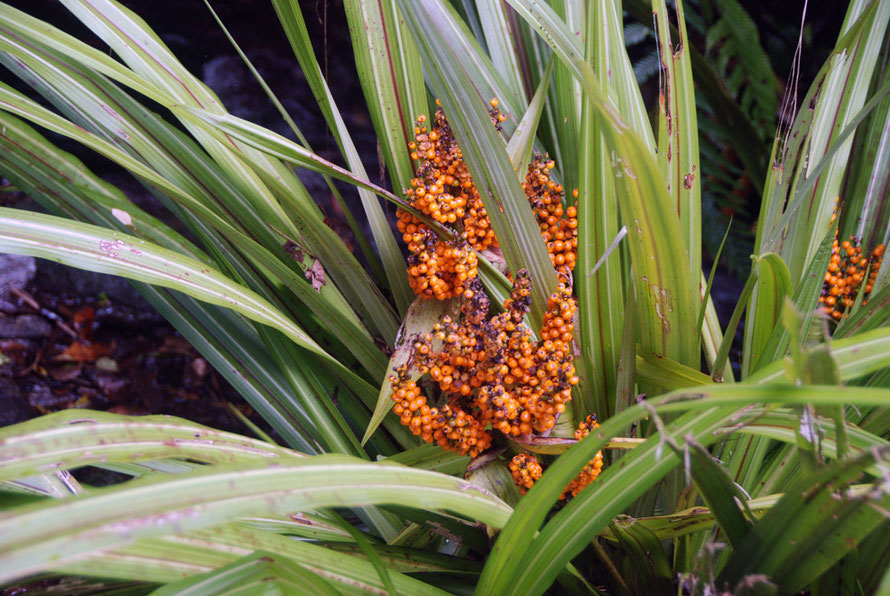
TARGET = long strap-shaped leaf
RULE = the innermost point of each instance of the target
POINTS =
(264, 180)
(811, 527)
(98, 249)
(375, 34)
(168, 558)
(521, 566)
(41, 535)
(80, 437)
(678, 129)
(600, 293)
(329, 306)
(665, 288)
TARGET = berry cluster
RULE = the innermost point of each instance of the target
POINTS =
(443, 190)
(558, 228)
(593, 467)
(526, 469)
(490, 370)
(848, 268)
(450, 427)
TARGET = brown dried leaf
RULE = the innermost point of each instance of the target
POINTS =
(316, 276)
(80, 352)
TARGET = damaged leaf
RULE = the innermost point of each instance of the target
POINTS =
(316, 276)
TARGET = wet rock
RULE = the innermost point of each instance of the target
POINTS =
(53, 276)
(15, 272)
(13, 405)
(24, 326)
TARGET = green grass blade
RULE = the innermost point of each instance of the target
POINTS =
(360, 237)
(72, 438)
(806, 300)
(723, 353)
(706, 296)
(501, 41)
(600, 292)
(392, 79)
(782, 424)
(856, 356)
(836, 97)
(171, 557)
(231, 346)
(765, 308)
(597, 505)
(724, 498)
(510, 567)
(520, 145)
(667, 373)
(565, 100)
(183, 173)
(264, 181)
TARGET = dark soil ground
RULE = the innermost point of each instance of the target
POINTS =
(74, 339)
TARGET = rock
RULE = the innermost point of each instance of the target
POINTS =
(15, 272)
(23, 326)
(56, 278)
(13, 405)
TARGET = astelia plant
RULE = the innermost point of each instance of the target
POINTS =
(772, 482)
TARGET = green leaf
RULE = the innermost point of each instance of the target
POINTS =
(723, 353)
(511, 567)
(360, 237)
(533, 568)
(810, 528)
(665, 291)
(855, 356)
(765, 307)
(519, 147)
(837, 96)
(725, 499)
(180, 183)
(73, 438)
(259, 177)
(663, 372)
(382, 70)
(678, 129)
(259, 573)
(600, 292)
(40, 536)
(98, 249)
(501, 41)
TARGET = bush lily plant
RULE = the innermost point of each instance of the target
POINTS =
(771, 480)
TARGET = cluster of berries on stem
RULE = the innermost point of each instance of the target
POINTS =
(490, 370)
(526, 468)
(847, 271)
(492, 374)
(443, 190)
